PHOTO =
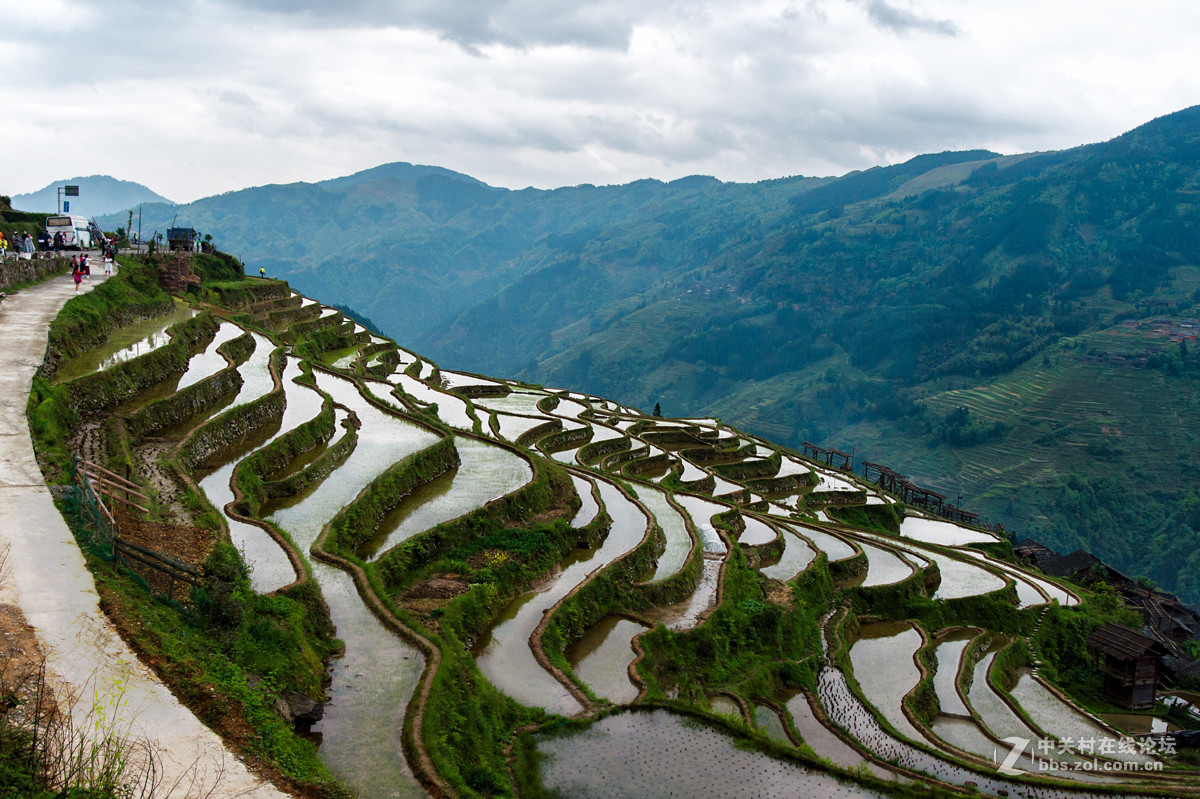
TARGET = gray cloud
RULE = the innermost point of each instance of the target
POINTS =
(473, 24)
(903, 21)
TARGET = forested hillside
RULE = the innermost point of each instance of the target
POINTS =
(987, 321)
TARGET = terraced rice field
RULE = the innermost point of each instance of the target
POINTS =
(644, 753)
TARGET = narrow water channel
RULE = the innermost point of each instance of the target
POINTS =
(374, 681)
(679, 543)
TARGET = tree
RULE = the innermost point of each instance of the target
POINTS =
(658, 410)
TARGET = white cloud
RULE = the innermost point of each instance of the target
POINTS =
(204, 96)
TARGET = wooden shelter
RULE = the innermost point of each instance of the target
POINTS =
(1129, 662)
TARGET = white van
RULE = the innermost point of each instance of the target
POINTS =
(75, 230)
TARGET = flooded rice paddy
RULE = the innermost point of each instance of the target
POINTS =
(757, 532)
(701, 511)
(125, 343)
(602, 656)
(679, 543)
(451, 409)
(502, 652)
(882, 659)
(687, 613)
(883, 566)
(661, 754)
(486, 472)
(373, 682)
(947, 534)
(796, 556)
(834, 548)
(949, 656)
(206, 364)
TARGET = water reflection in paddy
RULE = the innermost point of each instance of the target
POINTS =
(451, 409)
(660, 754)
(125, 343)
(503, 652)
(602, 656)
(882, 659)
(769, 722)
(517, 402)
(513, 427)
(756, 532)
(686, 614)
(486, 472)
(1058, 719)
(820, 738)
(589, 507)
(949, 654)
(833, 547)
(256, 372)
(935, 531)
(679, 543)
(208, 363)
(702, 511)
(270, 567)
(796, 556)
(883, 566)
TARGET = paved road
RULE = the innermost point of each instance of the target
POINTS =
(47, 578)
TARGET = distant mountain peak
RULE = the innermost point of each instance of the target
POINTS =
(398, 170)
(98, 194)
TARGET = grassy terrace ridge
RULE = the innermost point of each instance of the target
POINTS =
(232, 654)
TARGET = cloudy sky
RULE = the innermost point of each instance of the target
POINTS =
(198, 97)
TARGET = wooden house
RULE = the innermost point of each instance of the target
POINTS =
(1129, 662)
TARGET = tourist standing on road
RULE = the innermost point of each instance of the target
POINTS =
(58, 241)
(43, 241)
(76, 273)
(3, 245)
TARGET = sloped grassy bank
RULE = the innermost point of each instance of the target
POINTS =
(234, 655)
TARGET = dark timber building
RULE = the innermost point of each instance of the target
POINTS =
(1129, 662)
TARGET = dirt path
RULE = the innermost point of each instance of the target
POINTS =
(89, 667)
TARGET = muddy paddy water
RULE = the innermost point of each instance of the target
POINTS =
(662, 754)
(125, 343)
(602, 656)
(503, 652)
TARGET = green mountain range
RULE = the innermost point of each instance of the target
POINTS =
(1019, 330)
